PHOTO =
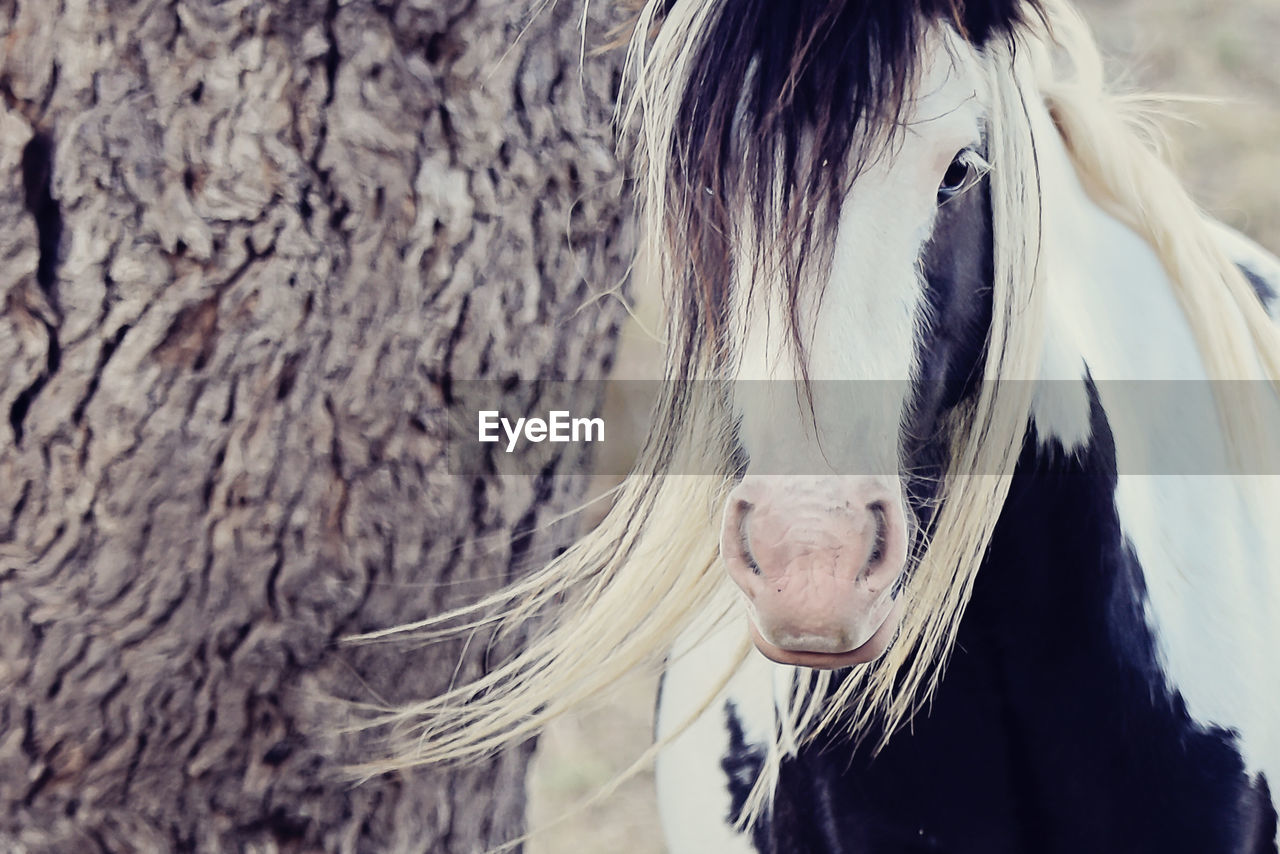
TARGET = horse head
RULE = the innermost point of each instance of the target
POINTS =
(844, 372)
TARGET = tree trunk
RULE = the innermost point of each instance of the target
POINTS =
(244, 249)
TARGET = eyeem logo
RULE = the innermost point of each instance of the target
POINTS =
(558, 427)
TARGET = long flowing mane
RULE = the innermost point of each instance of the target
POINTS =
(809, 111)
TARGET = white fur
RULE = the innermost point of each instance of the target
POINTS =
(693, 794)
(1209, 560)
(863, 329)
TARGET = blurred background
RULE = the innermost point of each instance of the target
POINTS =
(1227, 150)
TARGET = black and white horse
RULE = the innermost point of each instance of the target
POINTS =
(922, 260)
(1114, 684)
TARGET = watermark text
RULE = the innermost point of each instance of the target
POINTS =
(559, 426)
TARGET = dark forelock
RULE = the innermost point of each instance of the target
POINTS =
(794, 96)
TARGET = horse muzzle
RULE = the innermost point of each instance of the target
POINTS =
(818, 559)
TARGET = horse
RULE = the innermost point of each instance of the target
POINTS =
(919, 574)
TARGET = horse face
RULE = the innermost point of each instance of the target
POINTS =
(843, 456)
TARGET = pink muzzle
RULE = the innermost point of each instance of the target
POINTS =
(818, 559)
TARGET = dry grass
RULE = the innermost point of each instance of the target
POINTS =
(1230, 155)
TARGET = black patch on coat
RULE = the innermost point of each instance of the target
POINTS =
(1052, 731)
(741, 764)
(959, 267)
(1259, 811)
(1261, 287)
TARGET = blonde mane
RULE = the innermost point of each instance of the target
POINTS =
(614, 603)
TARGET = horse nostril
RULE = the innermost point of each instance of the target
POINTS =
(878, 512)
(744, 540)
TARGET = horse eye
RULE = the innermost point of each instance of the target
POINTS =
(956, 179)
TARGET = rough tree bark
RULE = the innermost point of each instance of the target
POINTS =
(244, 246)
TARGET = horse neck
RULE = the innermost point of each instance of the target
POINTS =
(1202, 567)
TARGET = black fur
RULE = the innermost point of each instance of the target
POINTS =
(741, 765)
(958, 269)
(1261, 287)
